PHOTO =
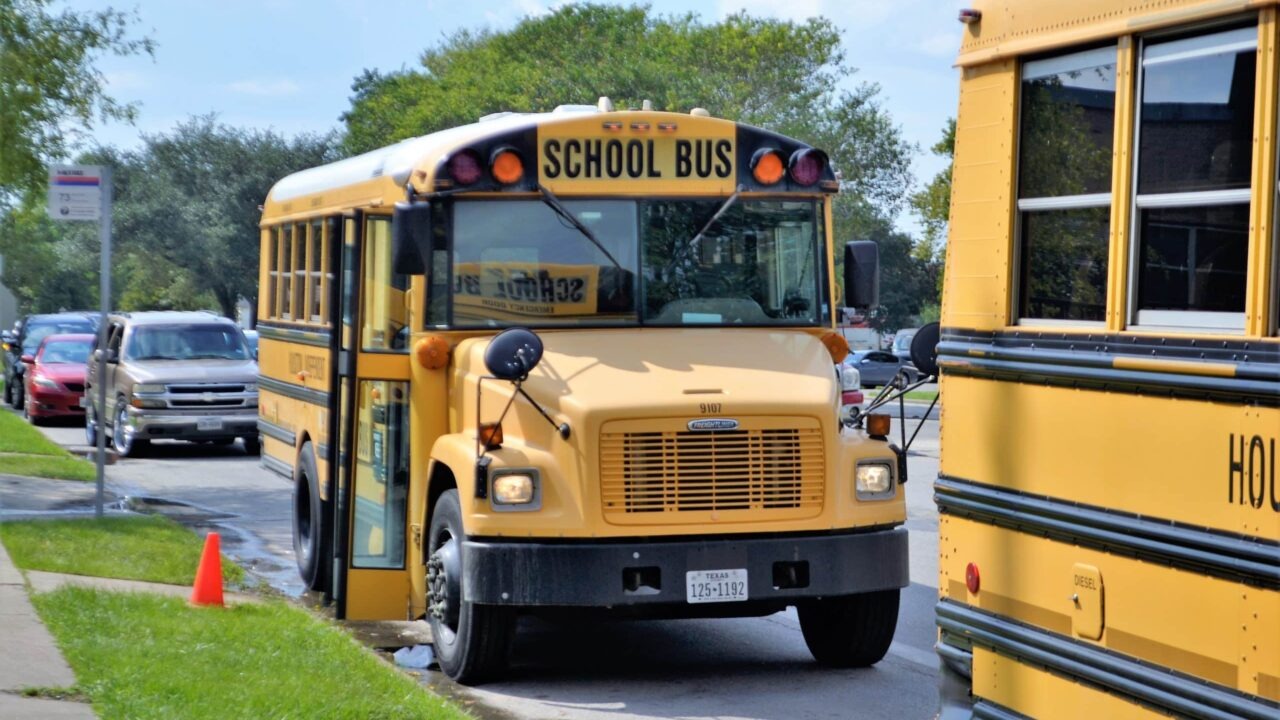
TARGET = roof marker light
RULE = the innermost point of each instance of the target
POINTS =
(969, 16)
(642, 126)
(612, 126)
(667, 126)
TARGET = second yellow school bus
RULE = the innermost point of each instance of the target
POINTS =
(1109, 520)
(580, 359)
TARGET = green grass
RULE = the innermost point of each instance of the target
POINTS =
(17, 436)
(145, 656)
(150, 548)
(24, 450)
(45, 466)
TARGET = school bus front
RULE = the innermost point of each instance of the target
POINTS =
(660, 435)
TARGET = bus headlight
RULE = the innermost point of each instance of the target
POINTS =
(873, 481)
(516, 490)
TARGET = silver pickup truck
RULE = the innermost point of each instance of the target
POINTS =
(173, 376)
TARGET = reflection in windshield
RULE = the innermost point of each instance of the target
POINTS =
(520, 263)
(65, 351)
(186, 342)
(36, 333)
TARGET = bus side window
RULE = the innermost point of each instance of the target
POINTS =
(384, 317)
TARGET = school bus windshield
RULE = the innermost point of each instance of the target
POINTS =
(519, 263)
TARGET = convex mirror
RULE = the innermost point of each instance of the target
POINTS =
(513, 353)
(924, 349)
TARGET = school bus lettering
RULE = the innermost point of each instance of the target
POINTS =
(1251, 469)
(539, 286)
(694, 159)
(617, 159)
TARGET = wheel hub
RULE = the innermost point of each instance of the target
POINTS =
(444, 593)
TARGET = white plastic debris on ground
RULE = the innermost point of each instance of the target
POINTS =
(418, 656)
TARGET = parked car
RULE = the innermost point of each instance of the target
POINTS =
(174, 376)
(251, 337)
(902, 343)
(25, 339)
(877, 367)
(851, 397)
(55, 376)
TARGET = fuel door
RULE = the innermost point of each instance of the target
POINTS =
(1087, 601)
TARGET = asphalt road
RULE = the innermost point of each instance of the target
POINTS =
(744, 669)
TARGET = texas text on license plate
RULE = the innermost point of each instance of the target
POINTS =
(710, 586)
(212, 423)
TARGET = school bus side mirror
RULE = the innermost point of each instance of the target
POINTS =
(862, 275)
(924, 349)
(410, 238)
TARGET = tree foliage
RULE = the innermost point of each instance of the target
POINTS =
(50, 91)
(784, 76)
(185, 222)
(932, 204)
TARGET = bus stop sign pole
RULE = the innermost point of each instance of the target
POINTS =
(83, 192)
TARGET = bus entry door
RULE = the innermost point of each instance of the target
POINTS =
(375, 425)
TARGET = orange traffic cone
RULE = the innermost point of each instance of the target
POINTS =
(208, 586)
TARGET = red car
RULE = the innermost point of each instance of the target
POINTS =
(54, 377)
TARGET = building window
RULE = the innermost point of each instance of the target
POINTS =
(1195, 151)
(1067, 123)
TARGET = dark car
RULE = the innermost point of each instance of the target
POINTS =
(26, 340)
(878, 367)
(55, 377)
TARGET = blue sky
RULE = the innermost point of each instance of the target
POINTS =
(288, 64)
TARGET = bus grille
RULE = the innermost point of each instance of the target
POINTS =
(742, 472)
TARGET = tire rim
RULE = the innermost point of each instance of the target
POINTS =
(444, 572)
(120, 435)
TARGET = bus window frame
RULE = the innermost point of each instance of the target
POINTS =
(822, 318)
(1052, 64)
(1180, 321)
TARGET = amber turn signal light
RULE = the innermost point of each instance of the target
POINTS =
(432, 352)
(767, 166)
(878, 425)
(507, 167)
(836, 345)
(491, 435)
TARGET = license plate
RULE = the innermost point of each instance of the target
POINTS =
(712, 586)
(209, 423)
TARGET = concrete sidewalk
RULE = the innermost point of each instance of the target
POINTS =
(29, 657)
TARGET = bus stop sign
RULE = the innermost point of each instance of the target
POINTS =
(75, 192)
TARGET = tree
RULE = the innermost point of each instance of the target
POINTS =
(185, 222)
(770, 73)
(49, 89)
(933, 203)
(191, 199)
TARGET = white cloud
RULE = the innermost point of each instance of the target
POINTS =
(265, 88)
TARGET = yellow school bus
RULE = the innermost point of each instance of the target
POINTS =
(583, 360)
(1109, 527)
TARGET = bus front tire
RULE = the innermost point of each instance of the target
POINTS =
(312, 537)
(850, 631)
(472, 641)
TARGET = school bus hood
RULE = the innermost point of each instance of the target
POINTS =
(599, 375)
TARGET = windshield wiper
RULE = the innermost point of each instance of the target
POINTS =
(724, 207)
(157, 357)
(554, 203)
